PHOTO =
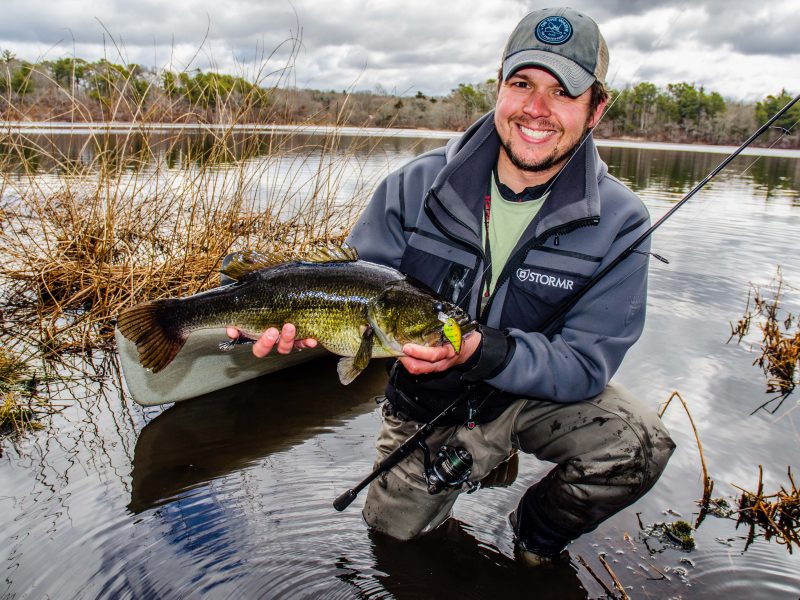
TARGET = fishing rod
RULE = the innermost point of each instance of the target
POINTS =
(417, 441)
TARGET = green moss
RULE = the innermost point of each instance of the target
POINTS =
(680, 532)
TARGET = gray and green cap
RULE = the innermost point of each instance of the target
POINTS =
(563, 41)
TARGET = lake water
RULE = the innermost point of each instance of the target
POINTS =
(229, 496)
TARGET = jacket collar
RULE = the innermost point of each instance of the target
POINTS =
(457, 194)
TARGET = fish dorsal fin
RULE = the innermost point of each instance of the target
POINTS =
(330, 253)
(239, 264)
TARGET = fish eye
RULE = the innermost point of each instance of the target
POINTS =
(438, 307)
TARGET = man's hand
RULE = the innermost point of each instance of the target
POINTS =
(419, 360)
(284, 339)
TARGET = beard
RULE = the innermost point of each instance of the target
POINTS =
(555, 158)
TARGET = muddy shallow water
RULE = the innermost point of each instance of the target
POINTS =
(229, 496)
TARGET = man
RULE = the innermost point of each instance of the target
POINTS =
(509, 221)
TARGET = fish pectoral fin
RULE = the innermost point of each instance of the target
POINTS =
(347, 370)
(350, 366)
(242, 340)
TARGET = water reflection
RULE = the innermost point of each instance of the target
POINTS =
(193, 443)
(672, 171)
(676, 172)
(114, 152)
(230, 495)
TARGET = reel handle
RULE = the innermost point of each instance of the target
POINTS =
(345, 500)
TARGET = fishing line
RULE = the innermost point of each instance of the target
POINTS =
(784, 133)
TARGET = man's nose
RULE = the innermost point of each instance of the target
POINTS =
(537, 104)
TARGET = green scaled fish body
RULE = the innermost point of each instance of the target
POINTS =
(353, 308)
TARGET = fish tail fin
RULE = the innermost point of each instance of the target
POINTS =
(157, 344)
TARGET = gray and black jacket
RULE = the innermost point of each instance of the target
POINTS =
(425, 220)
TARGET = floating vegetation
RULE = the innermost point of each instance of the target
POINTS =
(780, 339)
(18, 415)
(719, 507)
(777, 514)
(678, 534)
(12, 370)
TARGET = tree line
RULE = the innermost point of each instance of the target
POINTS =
(78, 90)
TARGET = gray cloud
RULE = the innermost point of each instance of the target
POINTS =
(419, 44)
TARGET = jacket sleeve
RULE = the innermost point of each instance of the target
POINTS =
(577, 362)
(378, 233)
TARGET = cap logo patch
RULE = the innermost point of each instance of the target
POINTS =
(553, 30)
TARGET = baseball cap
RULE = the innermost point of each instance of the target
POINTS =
(563, 41)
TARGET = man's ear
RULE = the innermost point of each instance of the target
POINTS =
(598, 112)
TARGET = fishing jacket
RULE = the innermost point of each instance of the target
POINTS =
(425, 220)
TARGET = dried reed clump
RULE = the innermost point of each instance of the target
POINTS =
(777, 514)
(780, 341)
(150, 217)
(74, 253)
(12, 370)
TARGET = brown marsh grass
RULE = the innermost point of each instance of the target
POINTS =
(777, 514)
(780, 338)
(146, 215)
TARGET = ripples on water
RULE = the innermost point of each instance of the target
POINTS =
(230, 496)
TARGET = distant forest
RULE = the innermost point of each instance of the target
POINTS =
(73, 89)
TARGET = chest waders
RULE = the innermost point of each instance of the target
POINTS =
(457, 461)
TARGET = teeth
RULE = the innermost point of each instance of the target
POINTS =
(536, 134)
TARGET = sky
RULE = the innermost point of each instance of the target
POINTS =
(742, 49)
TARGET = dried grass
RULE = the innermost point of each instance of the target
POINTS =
(780, 339)
(777, 514)
(708, 483)
(151, 216)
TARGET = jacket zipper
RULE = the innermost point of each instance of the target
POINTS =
(535, 243)
(478, 251)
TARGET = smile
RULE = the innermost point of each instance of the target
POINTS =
(536, 134)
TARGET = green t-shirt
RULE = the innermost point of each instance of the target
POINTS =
(507, 221)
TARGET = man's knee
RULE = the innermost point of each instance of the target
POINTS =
(610, 450)
(639, 446)
(609, 472)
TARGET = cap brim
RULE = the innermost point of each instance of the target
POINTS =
(572, 76)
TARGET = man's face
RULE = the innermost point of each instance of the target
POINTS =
(539, 124)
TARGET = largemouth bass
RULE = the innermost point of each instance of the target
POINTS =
(353, 308)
